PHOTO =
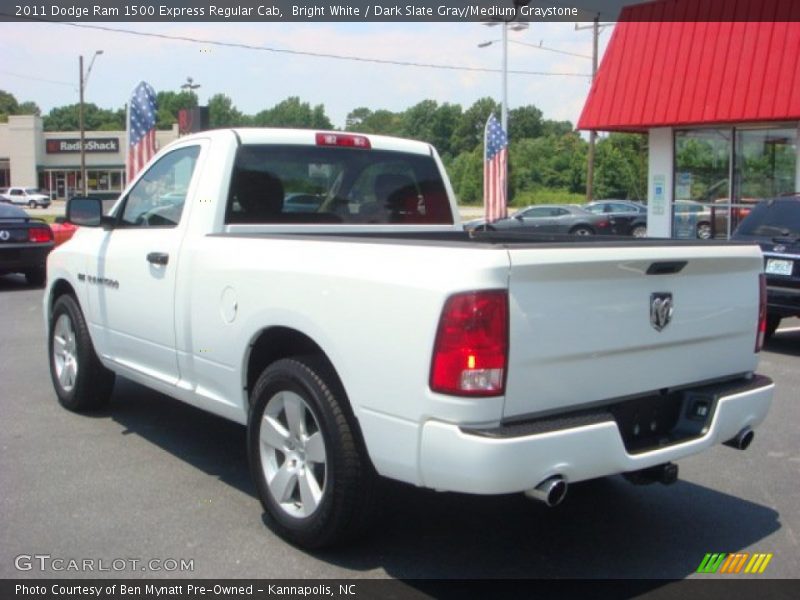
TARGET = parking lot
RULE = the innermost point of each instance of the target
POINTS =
(151, 479)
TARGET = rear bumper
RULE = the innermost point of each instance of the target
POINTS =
(18, 259)
(459, 460)
(783, 301)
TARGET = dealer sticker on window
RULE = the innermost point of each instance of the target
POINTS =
(777, 266)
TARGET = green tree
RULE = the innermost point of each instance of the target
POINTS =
(293, 113)
(9, 106)
(621, 166)
(28, 108)
(525, 122)
(383, 122)
(468, 134)
(466, 176)
(67, 118)
(222, 112)
(170, 104)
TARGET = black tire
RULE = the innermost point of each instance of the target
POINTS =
(345, 480)
(582, 230)
(36, 277)
(772, 325)
(704, 230)
(32, 204)
(92, 384)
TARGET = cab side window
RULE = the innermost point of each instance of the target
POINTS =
(158, 197)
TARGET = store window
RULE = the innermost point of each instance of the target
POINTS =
(702, 192)
(763, 162)
(765, 166)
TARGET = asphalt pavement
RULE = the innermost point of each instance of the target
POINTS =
(151, 479)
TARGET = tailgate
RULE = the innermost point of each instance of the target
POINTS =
(580, 321)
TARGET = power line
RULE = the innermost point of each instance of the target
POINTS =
(347, 57)
(72, 85)
(540, 46)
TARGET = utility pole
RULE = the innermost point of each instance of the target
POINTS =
(596, 27)
(592, 133)
(81, 126)
(83, 81)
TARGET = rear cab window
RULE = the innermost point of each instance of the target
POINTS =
(277, 184)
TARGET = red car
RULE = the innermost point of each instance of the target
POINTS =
(62, 231)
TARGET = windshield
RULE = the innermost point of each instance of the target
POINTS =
(772, 218)
(311, 184)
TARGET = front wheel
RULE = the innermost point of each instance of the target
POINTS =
(313, 478)
(81, 382)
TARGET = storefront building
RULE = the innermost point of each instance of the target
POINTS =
(32, 157)
(718, 100)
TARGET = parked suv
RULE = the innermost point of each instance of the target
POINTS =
(30, 197)
(775, 225)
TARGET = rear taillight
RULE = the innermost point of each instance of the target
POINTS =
(471, 349)
(603, 223)
(347, 140)
(40, 235)
(762, 312)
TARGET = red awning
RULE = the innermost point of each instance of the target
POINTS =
(663, 69)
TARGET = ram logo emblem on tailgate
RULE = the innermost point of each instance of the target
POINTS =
(660, 309)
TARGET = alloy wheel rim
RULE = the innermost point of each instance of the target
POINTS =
(293, 454)
(65, 354)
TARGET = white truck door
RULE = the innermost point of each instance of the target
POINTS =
(137, 266)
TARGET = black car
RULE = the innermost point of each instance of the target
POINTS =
(628, 217)
(24, 244)
(548, 218)
(775, 225)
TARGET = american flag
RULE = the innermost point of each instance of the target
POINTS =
(495, 170)
(141, 128)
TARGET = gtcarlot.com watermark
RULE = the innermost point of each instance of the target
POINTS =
(57, 564)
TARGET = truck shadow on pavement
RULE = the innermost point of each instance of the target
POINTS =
(15, 282)
(606, 528)
(784, 342)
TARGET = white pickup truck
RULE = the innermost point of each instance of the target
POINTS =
(318, 288)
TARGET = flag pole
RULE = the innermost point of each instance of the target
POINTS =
(485, 162)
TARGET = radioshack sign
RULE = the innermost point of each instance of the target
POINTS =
(65, 146)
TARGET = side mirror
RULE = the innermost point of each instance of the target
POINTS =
(84, 211)
(518, 217)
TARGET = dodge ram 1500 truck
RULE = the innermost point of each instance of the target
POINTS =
(318, 288)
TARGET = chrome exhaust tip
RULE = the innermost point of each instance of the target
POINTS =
(742, 440)
(551, 491)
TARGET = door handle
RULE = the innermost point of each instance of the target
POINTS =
(158, 258)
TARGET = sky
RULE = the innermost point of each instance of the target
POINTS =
(40, 64)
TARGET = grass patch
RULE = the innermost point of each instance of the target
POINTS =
(529, 197)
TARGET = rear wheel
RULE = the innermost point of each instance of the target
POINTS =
(772, 325)
(81, 382)
(36, 277)
(32, 204)
(639, 231)
(581, 230)
(313, 478)
(704, 231)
